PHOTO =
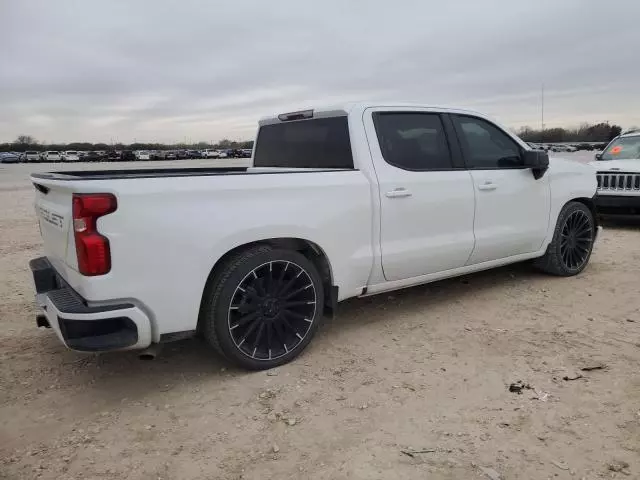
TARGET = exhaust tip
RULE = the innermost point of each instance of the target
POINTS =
(42, 321)
(149, 353)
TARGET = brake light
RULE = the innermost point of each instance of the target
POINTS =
(92, 249)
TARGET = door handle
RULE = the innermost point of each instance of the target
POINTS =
(398, 193)
(487, 186)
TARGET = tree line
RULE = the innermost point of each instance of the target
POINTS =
(599, 132)
(25, 143)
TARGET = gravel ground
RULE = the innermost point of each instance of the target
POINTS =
(422, 370)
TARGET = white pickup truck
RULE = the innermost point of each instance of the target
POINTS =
(340, 202)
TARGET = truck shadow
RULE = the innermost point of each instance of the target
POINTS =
(621, 222)
(386, 306)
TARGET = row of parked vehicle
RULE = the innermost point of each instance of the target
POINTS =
(120, 155)
(564, 147)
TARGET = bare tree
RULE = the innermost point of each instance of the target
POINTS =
(25, 140)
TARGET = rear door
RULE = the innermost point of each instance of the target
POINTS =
(426, 195)
(511, 207)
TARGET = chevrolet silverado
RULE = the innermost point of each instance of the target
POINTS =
(339, 202)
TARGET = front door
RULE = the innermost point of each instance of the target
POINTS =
(511, 207)
(427, 203)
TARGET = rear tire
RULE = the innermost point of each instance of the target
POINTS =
(262, 307)
(570, 249)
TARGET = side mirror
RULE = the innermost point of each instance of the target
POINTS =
(599, 156)
(537, 161)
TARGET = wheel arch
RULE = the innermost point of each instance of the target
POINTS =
(311, 250)
(586, 201)
(590, 204)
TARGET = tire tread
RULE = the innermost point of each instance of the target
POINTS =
(214, 290)
(550, 261)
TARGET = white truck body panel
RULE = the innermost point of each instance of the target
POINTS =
(331, 209)
(380, 227)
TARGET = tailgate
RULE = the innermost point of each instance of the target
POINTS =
(53, 209)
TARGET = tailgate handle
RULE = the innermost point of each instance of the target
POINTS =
(41, 188)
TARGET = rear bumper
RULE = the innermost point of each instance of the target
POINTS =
(617, 204)
(81, 325)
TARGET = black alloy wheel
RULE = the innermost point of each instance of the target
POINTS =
(272, 310)
(262, 306)
(576, 240)
(570, 249)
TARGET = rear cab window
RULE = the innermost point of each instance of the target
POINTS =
(309, 143)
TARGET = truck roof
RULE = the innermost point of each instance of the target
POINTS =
(348, 107)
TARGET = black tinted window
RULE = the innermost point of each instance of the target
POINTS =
(486, 146)
(316, 143)
(412, 141)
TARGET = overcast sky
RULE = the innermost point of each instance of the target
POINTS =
(156, 70)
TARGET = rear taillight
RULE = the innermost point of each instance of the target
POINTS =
(92, 249)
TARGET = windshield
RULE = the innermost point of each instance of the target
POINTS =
(31, 153)
(317, 143)
(623, 148)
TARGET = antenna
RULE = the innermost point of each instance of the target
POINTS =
(542, 115)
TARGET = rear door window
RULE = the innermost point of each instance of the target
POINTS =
(315, 143)
(413, 140)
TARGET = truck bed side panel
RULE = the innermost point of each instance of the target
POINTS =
(168, 233)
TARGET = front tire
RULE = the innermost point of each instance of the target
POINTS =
(570, 249)
(263, 307)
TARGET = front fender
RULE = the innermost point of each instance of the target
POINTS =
(569, 180)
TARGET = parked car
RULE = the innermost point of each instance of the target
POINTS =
(50, 156)
(113, 155)
(70, 156)
(194, 154)
(128, 156)
(231, 153)
(95, 156)
(170, 155)
(159, 155)
(563, 148)
(618, 176)
(246, 152)
(340, 202)
(142, 155)
(584, 146)
(31, 156)
(237, 153)
(9, 157)
(182, 154)
(210, 153)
